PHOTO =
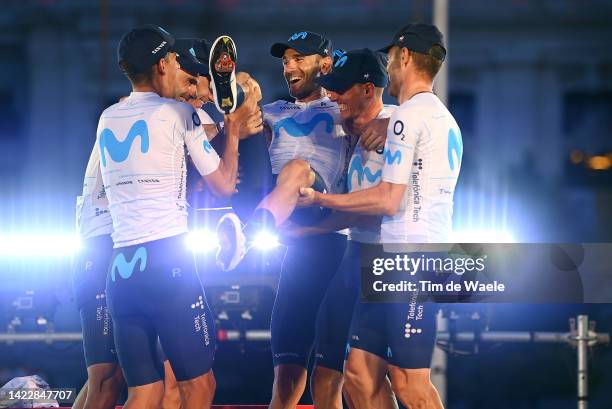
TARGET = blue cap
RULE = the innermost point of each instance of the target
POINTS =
(187, 56)
(356, 67)
(144, 46)
(420, 37)
(304, 42)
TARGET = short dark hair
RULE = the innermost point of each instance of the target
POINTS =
(428, 63)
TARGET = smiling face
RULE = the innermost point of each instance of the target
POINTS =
(203, 94)
(394, 70)
(186, 86)
(300, 71)
(351, 102)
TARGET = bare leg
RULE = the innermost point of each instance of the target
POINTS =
(282, 200)
(198, 393)
(104, 385)
(414, 389)
(326, 388)
(146, 396)
(79, 402)
(172, 394)
(289, 385)
(365, 381)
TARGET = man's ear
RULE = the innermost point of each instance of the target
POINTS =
(368, 89)
(406, 55)
(161, 66)
(326, 65)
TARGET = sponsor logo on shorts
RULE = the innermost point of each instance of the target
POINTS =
(126, 268)
(102, 314)
(410, 330)
(415, 311)
(200, 324)
(198, 304)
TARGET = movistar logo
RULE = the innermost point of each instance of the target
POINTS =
(207, 146)
(120, 150)
(455, 148)
(301, 34)
(125, 268)
(297, 129)
(357, 166)
(390, 158)
(341, 61)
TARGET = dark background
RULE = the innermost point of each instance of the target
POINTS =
(530, 84)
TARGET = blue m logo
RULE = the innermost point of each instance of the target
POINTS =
(120, 150)
(297, 129)
(301, 34)
(125, 268)
(341, 61)
(207, 146)
(390, 158)
(455, 148)
(357, 166)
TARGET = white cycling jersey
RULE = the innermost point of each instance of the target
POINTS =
(311, 131)
(92, 215)
(423, 151)
(365, 171)
(141, 142)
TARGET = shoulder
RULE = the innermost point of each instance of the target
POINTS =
(172, 107)
(180, 112)
(325, 105)
(280, 106)
(204, 117)
(387, 111)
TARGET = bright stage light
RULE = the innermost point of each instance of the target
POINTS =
(38, 245)
(482, 236)
(202, 241)
(264, 240)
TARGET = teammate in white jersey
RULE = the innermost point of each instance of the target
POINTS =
(356, 85)
(94, 227)
(421, 165)
(153, 289)
(295, 131)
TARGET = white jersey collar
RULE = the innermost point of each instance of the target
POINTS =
(311, 103)
(140, 94)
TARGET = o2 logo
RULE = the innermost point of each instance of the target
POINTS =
(120, 150)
